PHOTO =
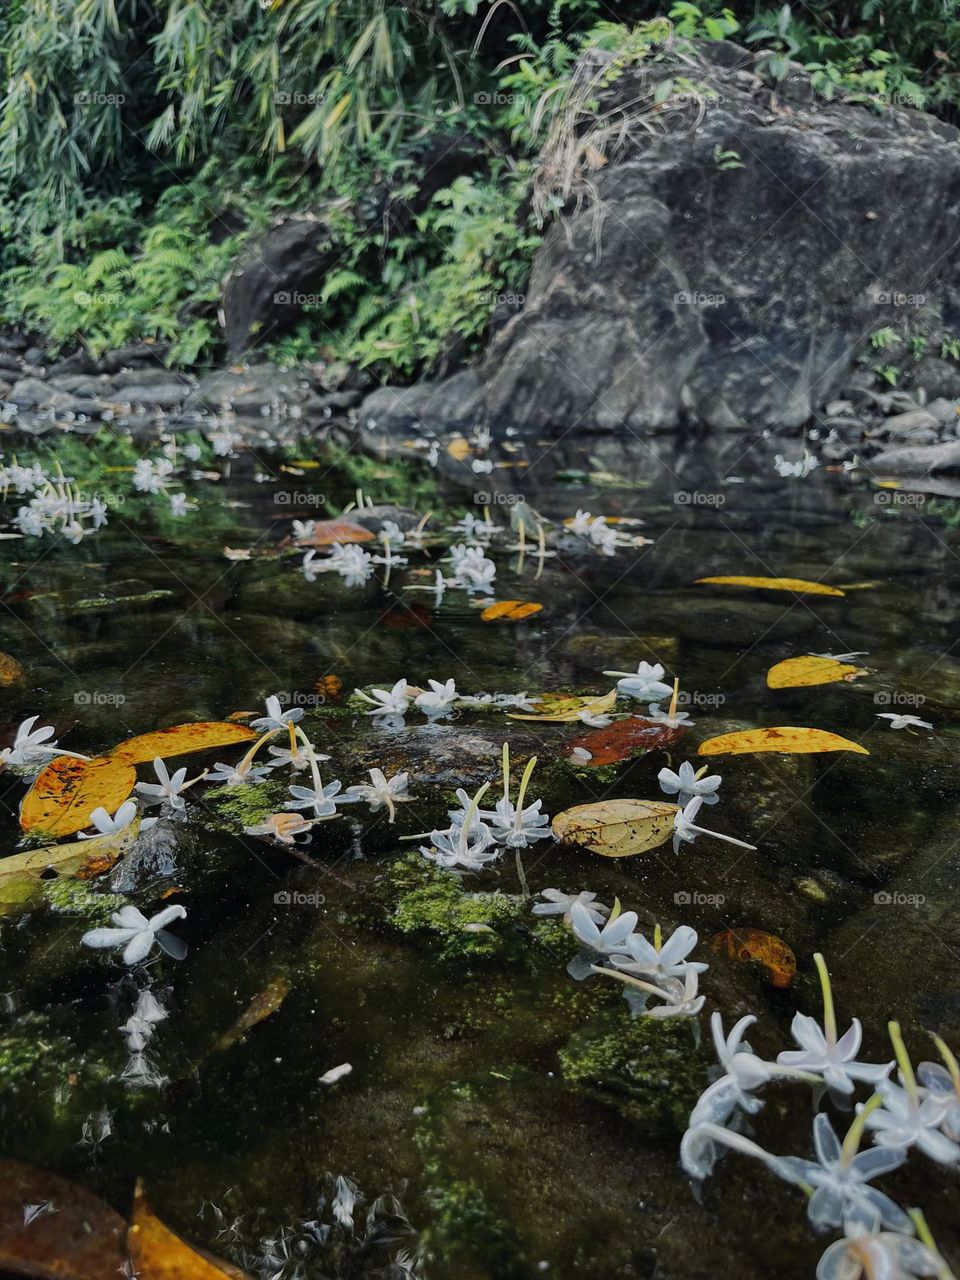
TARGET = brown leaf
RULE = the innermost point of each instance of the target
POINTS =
(83, 1240)
(10, 669)
(68, 789)
(756, 946)
(157, 1253)
(326, 532)
(616, 828)
(260, 1007)
(329, 686)
(633, 736)
(181, 740)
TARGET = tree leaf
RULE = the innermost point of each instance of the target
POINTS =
(561, 708)
(326, 532)
(157, 1253)
(510, 610)
(80, 859)
(633, 736)
(10, 670)
(616, 828)
(798, 673)
(756, 946)
(260, 1007)
(798, 585)
(68, 789)
(784, 739)
(181, 740)
(82, 1240)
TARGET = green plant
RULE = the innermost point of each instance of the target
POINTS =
(727, 159)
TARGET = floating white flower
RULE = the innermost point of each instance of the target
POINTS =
(687, 783)
(877, 1255)
(907, 1118)
(661, 960)
(111, 826)
(168, 788)
(903, 722)
(137, 935)
(352, 563)
(380, 792)
(276, 719)
(31, 744)
(467, 843)
(943, 1088)
(686, 830)
(285, 827)
(513, 825)
(236, 775)
(179, 506)
(138, 1028)
(559, 904)
(319, 798)
(672, 719)
(438, 698)
(387, 702)
(611, 940)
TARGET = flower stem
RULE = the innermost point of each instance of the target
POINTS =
(903, 1061)
(851, 1143)
(950, 1060)
(829, 1014)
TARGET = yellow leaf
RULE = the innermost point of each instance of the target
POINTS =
(10, 669)
(784, 739)
(80, 859)
(157, 1253)
(798, 585)
(616, 828)
(66, 792)
(553, 708)
(797, 673)
(759, 947)
(510, 610)
(180, 740)
(459, 448)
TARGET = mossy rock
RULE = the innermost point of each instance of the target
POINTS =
(651, 1070)
(462, 924)
(79, 898)
(32, 1057)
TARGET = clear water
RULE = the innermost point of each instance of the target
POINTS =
(462, 1101)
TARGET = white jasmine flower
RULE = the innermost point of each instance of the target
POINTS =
(474, 528)
(137, 935)
(686, 783)
(467, 842)
(107, 826)
(150, 476)
(903, 722)
(319, 798)
(943, 1089)
(906, 1120)
(661, 962)
(352, 563)
(471, 568)
(379, 792)
(438, 699)
(31, 744)
(580, 524)
(179, 506)
(518, 828)
(797, 470)
(297, 757)
(744, 1072)
(276, 719)
(224, 443)
(392, 702)
(168, 788)
(392, 534)
(876, 1255)
(612, 939)
(673, 719)
(310, 566)
(235, 775)
(285, 827)
(559, 904)
(680, 1001)
(303, 529)
(686, 830)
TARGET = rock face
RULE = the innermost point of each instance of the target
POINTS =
(732, 270)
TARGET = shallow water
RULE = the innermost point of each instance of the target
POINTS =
(475, 1098)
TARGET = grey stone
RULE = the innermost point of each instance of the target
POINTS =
(917, 460)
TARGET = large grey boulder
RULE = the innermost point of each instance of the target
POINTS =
(731, 270)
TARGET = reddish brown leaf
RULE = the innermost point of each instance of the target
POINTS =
(756, 946)
(634, 736)
(326, 532)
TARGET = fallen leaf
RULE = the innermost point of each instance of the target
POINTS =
(510, 610)
(237, 553)
(798, 585)
(459, 448)
(623, 739)
(82, 1240)
(329, 686)
(798, 673)
(260, 1007)
(616, 828)
(756, 946)
(181, 740)
(10, 669)
(563, 708)
(326, 532)
(157, 1253)
(68, 789)
(784, 738)
(81, 859)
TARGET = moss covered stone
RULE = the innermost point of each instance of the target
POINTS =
(31, 1057)
(462, 923)
(79, 898)
(652, 1070)
(248, 805)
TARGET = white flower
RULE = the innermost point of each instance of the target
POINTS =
(235, 775)
(285, 827)
(903, 722)
(559, 904)
(685, 784)
(667, 961)
(906, 1120)
(391, 533)
(460, 846)
(137, 935)
(167, 789)
(943, 1092)
(686, 830)
(518, 828)
(379, 792)
(352, 563)
(319, 798)
(873, 1255)
(473, 527)
(580, 524)
(680, 1001)
(612, 939)
(392, 702)
(151, 477)
(471, 568)
(139, 1026)
(834, 1059)
(310, 566)
(799, 470)
(224, 442)
(645, 683)
(438, 698)
(275, 718)
(296, 758)
(843, 1193)
(31, 744)
(303, 529)
(179, 506)
(672, 721)
(744, 1072)
(107, 826)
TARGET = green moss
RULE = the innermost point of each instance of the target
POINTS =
(652, 1070)
(249, 804)
(462, 924)
(30, 1057)
(79, 898)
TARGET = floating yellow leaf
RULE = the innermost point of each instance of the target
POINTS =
(560, 708)
(67, 791)
(510, 610)
(180, 740)
(616, 828)
(756, 946)
(260, 1007)
(797, 673)
(459, 448)
(157, 1253)
(81, 859)
(10, 669)
(784, 739)
(798, 585)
